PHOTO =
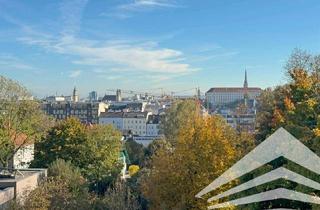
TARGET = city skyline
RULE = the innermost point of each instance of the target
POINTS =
(50, 47)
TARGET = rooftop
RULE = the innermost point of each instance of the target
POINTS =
(234, 89)
(124, 114)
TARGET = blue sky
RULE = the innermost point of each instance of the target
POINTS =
(50, 46)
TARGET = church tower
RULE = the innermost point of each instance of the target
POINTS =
(75, 96)
(245, 84)
(245, 87)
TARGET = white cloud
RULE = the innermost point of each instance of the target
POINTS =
(125, 55)
(126, 10)
(75, 73)
(146, 4)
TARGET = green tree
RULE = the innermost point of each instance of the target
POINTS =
(118, 197)
(65, 188)
(179, 114)
(94, 149)
(21, 119)
(135, 151)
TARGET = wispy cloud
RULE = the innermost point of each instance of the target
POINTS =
(146, 4)
(75, 73)
(71, 14)
(10, 62)
(211, 52)
(128, 9)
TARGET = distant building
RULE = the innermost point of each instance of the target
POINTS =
(153, 125)
(219, 96)
(128, 122)
(242, 116)
(75, 96)
(93, 96)
(55, 98)
(127, 106)
(118, 95)
(86, 112)
(113, 98)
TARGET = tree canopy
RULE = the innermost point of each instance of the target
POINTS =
(203, 150)
(21, 119)
(295, 105)
(94, 149)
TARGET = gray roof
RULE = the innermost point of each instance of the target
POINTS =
(153, 119)
(123, 114)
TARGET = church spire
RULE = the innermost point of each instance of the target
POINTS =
(245, 85)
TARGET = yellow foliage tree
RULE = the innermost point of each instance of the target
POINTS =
(133, 169)
(204, 150)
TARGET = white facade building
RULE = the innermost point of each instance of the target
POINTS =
(134, 122)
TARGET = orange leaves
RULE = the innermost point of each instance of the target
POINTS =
(278, 117)
(301, 78)
(289, 104)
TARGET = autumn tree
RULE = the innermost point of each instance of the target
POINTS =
(204, 150)
(295, 105)
(94, 149)
(21, 119)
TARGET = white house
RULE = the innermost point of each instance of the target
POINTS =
(134, 122)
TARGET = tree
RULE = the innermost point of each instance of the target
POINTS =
(65, 188)
(118, 197)
(296, 105)
(21, 119)
(94, 149)
(204, 149)
(179, 114)
(133, 169)
(135, 151)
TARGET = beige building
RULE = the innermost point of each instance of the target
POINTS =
(218, 96)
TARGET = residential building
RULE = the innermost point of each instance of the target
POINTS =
(219, 96)
(128, 122)
(242, 116)
(153, 125)
(86, 112)
(127, 106)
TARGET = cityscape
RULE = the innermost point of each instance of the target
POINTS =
(133, 105)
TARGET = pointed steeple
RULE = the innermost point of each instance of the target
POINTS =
(245, 85)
